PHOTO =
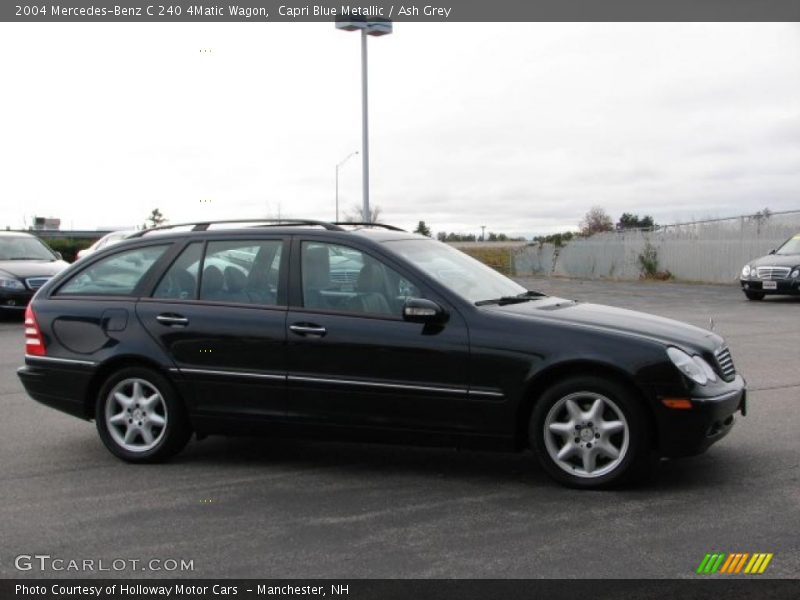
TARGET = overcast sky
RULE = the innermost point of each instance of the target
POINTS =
(520, 127)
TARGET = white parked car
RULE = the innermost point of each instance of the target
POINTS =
(107, 240)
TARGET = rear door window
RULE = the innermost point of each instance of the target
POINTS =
(180, 280)
(115, 275)
(241, 271)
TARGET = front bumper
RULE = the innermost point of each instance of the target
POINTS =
(685, 432)
(14, 300)
(782, 286)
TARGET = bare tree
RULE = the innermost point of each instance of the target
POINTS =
(357, 214)
(596, 221)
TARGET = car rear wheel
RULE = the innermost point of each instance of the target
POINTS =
(754, 295)
(589, 432)
(139, 416)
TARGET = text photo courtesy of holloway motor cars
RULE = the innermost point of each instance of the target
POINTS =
(373, 300)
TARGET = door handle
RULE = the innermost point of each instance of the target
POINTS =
(172, 319)
(308, 329)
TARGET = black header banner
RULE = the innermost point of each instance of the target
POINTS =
(260, 11)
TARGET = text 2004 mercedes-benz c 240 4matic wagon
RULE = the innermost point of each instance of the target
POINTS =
(367, 333)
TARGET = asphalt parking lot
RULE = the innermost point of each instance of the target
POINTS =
(288, 508)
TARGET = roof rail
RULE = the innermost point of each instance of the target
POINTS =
(294, 223)
(204, 225)
(365, 224)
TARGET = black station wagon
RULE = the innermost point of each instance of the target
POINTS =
(365, 332)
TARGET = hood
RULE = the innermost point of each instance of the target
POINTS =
(619, 320)
(23, 269)
(777, 260)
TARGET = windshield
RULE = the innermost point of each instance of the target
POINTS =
(24, 248)
(790, 247)
(467, 277)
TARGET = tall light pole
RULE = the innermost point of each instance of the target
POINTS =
(367, 27)
(341, 162)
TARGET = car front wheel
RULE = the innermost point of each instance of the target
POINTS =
(589, 432)
(139, 416)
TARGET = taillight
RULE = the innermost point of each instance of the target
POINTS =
(34, 343)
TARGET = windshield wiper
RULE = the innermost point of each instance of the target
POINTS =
(26, 258)
(502, 300)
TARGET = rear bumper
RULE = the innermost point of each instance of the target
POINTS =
(711, 418)
(58, 385)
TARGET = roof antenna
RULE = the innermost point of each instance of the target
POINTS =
(711, 323)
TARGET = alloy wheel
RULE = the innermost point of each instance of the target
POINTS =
(586, 434)
(136, 415)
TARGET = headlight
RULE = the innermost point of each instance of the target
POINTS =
(694, 367)
(11, 284)
(746, 271)
(707, 368)
(795, 273)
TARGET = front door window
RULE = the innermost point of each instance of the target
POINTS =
(344, 279)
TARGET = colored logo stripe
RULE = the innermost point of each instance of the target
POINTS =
(703, 563)
(711, 563)
(727, 565)
(734, 563)
(758, 563)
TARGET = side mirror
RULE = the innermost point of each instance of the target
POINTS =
(59, 256)
(773, 251)
(420, 310)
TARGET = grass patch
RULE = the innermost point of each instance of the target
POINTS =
(500, 259)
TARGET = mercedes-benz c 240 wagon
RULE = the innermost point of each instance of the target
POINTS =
(368, 333)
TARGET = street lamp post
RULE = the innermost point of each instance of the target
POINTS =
(375, 27)
(341, 162)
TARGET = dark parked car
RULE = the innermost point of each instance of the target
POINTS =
(26, 263)
(776, 273)
(256, 330)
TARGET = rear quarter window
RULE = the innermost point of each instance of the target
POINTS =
(115, 275)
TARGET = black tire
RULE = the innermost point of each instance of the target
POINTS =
(754, 295)
(165, 440)
(637, 459)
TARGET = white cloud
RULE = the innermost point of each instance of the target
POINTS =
(521, 127)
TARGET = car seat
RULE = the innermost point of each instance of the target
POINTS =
(370, 287)
(316, 276)
(212, 284)
(186, 284)
(235, 282)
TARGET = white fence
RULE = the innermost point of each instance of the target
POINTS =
(710, 251)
